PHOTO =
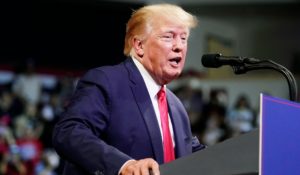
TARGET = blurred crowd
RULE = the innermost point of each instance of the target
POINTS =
(29, 110)
(212, 119)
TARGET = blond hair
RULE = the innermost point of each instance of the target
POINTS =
(141, 21)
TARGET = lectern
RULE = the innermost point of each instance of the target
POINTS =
(273, 149)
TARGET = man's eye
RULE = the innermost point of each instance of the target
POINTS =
(183, 37)
(167, 36)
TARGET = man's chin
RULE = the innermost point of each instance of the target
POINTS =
(171, 77)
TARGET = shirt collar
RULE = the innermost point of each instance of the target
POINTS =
(151, 85)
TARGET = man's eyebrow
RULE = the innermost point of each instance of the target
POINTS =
(167, 31)
(173, 32)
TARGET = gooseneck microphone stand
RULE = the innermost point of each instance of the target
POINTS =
(248, 65)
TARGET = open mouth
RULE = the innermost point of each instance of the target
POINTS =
(175, 61)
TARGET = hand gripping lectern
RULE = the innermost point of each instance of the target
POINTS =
(273, 149)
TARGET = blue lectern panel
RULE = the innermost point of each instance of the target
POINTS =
(280, 137)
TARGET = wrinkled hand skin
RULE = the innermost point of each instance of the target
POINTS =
(141, 167)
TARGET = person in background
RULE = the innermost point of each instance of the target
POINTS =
(27, 85)
(122, 119)
(10, 160)
(241, 118)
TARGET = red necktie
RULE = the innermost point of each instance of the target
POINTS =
(167, 139)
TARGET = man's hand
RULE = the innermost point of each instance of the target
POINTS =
(141, 167)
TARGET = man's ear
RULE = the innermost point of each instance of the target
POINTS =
(138, 47)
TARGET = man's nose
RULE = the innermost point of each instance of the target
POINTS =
(178, 44)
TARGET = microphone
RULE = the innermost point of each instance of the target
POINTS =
(217, 60)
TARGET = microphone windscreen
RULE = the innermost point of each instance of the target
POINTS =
(211, 60)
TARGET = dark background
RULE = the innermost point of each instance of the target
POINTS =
(61, 35)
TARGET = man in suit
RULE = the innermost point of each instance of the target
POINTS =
(114, 123)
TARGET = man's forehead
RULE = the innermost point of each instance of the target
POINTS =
(167, 24)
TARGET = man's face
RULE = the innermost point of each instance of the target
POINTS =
(164, 51)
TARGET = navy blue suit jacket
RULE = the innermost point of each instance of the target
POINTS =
(111, 119)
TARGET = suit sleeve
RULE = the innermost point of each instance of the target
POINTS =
(80, 133)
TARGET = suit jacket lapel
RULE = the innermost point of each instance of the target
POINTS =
(144, 103)
(178, 129)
